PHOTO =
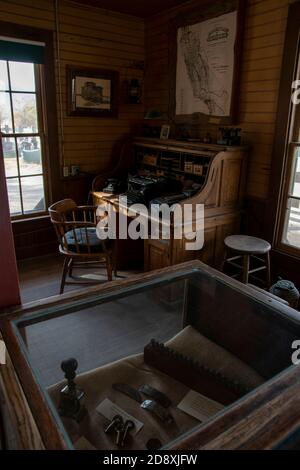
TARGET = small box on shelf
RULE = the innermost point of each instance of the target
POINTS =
(150, 160)
(198, 170)
(189, 167)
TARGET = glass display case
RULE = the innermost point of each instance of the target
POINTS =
(181, 355)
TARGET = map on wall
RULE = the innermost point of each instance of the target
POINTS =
(205, 66)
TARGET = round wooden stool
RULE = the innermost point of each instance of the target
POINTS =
(246, 248)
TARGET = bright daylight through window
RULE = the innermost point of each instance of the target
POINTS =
(291, 229)
(22, 137)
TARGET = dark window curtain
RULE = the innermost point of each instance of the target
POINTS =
(21, 51)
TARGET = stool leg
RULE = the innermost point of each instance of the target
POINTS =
(246, 268)
(268, 270)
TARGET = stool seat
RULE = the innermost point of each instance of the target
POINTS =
(247, 245)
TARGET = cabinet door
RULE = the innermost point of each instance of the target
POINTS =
(157, 254)
(216, 230)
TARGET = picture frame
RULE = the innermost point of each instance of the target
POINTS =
(92, 92)
(165, 132)
(184, 29)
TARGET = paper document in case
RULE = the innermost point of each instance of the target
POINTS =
(199, 406)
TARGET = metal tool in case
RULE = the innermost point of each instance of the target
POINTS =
(114, 422)
(128, 426)
(156, 395)
(129, 391)
(149, 405)
(157, 410)
(71, 396)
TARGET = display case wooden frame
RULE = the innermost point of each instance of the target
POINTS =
(269, 409)
(206, 11)
(98, 78)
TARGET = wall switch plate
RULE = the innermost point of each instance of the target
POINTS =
(75, 170)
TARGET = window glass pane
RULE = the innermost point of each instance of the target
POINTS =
(25, 113)
(21, 76)
(5, 113)
(10, 156)
(22, 155)
(291, 234)
(33, 194)
(30, 158)
(3, 76)
(13, 191)
(295, 179)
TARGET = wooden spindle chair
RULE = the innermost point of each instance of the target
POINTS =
(79, 244)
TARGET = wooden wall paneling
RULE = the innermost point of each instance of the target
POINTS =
(34, 237)
(92, 37)
(135, 7)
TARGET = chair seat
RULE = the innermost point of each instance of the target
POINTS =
(247, 245)
(87, 240)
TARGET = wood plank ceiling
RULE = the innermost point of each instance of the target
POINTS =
(141, 8)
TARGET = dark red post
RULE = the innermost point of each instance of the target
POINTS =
(9, 281)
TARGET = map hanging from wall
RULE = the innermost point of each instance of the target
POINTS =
(205, 66)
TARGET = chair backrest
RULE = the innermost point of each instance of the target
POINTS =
(59, 214)
(73, 224)
(58, 211)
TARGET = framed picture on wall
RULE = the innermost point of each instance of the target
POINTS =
(205, 63)
(92, 92)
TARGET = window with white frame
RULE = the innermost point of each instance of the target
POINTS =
(23, 136)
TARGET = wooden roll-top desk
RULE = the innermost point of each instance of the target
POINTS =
(208, 174)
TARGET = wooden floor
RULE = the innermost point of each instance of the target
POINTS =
(40, 277)
(94, 336)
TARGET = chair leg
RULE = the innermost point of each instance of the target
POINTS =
(70, 267)
(109, 269)
(246, 268)
(268, 270)
(64, 275)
